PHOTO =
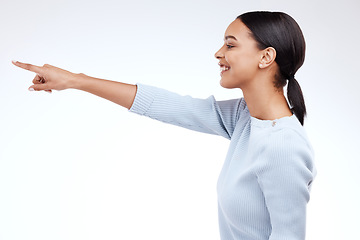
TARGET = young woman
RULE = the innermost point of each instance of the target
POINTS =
(263, 188)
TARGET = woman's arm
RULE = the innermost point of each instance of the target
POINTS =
(203, 115)
(285, 172)
(50, 78)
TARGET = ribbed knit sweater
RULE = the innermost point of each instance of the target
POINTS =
(264, 185)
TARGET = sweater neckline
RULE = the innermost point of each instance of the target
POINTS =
(271, 123)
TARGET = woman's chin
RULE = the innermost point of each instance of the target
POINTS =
(225, 84)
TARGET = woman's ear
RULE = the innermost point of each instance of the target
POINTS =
(268, 56)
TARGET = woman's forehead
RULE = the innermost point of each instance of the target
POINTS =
(237, 29)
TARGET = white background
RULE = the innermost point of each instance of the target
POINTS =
(74, 166)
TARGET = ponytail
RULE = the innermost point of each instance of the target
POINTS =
(296, 99)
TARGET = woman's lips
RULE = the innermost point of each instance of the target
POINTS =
(223, 69)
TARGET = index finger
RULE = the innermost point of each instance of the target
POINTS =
(28, 66)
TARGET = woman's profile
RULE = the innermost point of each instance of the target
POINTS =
(264, 185)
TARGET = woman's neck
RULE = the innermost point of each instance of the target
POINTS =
(266, 103)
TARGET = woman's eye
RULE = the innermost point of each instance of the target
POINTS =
(229, 46)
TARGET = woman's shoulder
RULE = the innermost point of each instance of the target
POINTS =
(289, 145)
(282, 141)
(293, 133)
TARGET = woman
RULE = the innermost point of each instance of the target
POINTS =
(263, 188)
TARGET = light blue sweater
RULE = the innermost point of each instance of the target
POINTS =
(264, 185)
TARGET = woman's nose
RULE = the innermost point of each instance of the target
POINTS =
(219, 54)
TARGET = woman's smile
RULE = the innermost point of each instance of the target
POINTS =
(223, 68)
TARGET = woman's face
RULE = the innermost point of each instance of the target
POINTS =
(239, 57)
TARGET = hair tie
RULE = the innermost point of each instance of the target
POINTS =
(291, 77)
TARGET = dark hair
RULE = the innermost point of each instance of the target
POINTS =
(280, 31)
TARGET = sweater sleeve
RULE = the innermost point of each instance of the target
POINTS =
(202, 115)
(285, 175)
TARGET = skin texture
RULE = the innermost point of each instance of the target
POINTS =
(50, 78)
(253, 71)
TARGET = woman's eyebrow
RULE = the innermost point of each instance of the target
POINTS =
(229, 36)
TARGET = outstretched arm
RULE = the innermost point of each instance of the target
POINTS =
(50, 78)
(204, 115)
